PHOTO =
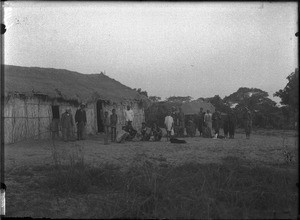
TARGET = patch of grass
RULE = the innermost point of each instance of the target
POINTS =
(270, 132)
(22, 171)
(80, 178)
(235, 188)
(229, 190)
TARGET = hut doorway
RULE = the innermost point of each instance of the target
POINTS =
(55, 111)
(99, 116)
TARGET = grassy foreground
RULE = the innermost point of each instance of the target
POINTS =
(234, 188)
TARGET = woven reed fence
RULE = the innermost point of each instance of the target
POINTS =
(31, 118)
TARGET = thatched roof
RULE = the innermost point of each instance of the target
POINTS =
(68, 85)
(190, 108)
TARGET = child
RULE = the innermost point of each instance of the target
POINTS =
(113, 125)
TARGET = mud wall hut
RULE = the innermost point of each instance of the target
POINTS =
(34, 96)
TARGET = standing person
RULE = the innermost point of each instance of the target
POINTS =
(169, 123)
(201, 121)
(247, 122)
(54, 127)
(106, 126)
(113, 125)
(216, 117)
(80, 119)
(67, 125)
(129, 115)
(231, 124)
(208, 121)
(181, 119)
(175, 117)
(226, 125)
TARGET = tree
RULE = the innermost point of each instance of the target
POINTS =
(179, 99)
(245, 93)
(265, 112)
(154, 98)
(218, 103)
(201, 99)
(289, 95)
(139, 90)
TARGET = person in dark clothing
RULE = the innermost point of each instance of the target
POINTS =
(54, 127)
(216, 122)
(156, 132)
(231, 124)
(106, 120)
(80, 119)
(132, 132)
(201, 121)
(175, 117)
(67, 125)
(206, 132)
(247, 122)
(113, 125)
(181, 123)
(146, 132)
(226, 125)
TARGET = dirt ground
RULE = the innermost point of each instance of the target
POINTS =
(261, 148)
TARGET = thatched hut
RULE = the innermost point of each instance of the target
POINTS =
(34, 96)
(193, 107)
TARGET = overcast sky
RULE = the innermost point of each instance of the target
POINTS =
(197, 49)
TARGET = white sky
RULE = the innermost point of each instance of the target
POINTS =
(197, 49)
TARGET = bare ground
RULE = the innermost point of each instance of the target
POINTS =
(265, 150)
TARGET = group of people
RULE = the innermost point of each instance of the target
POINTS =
(128, 133)
(67, 124)
(208, 124)
(176, 123)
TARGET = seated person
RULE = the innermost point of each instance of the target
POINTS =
(122, 135)
(181, 131)
(206, 133)
(132, 132)
(156, 132)
(191, 128)
(146, 132)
